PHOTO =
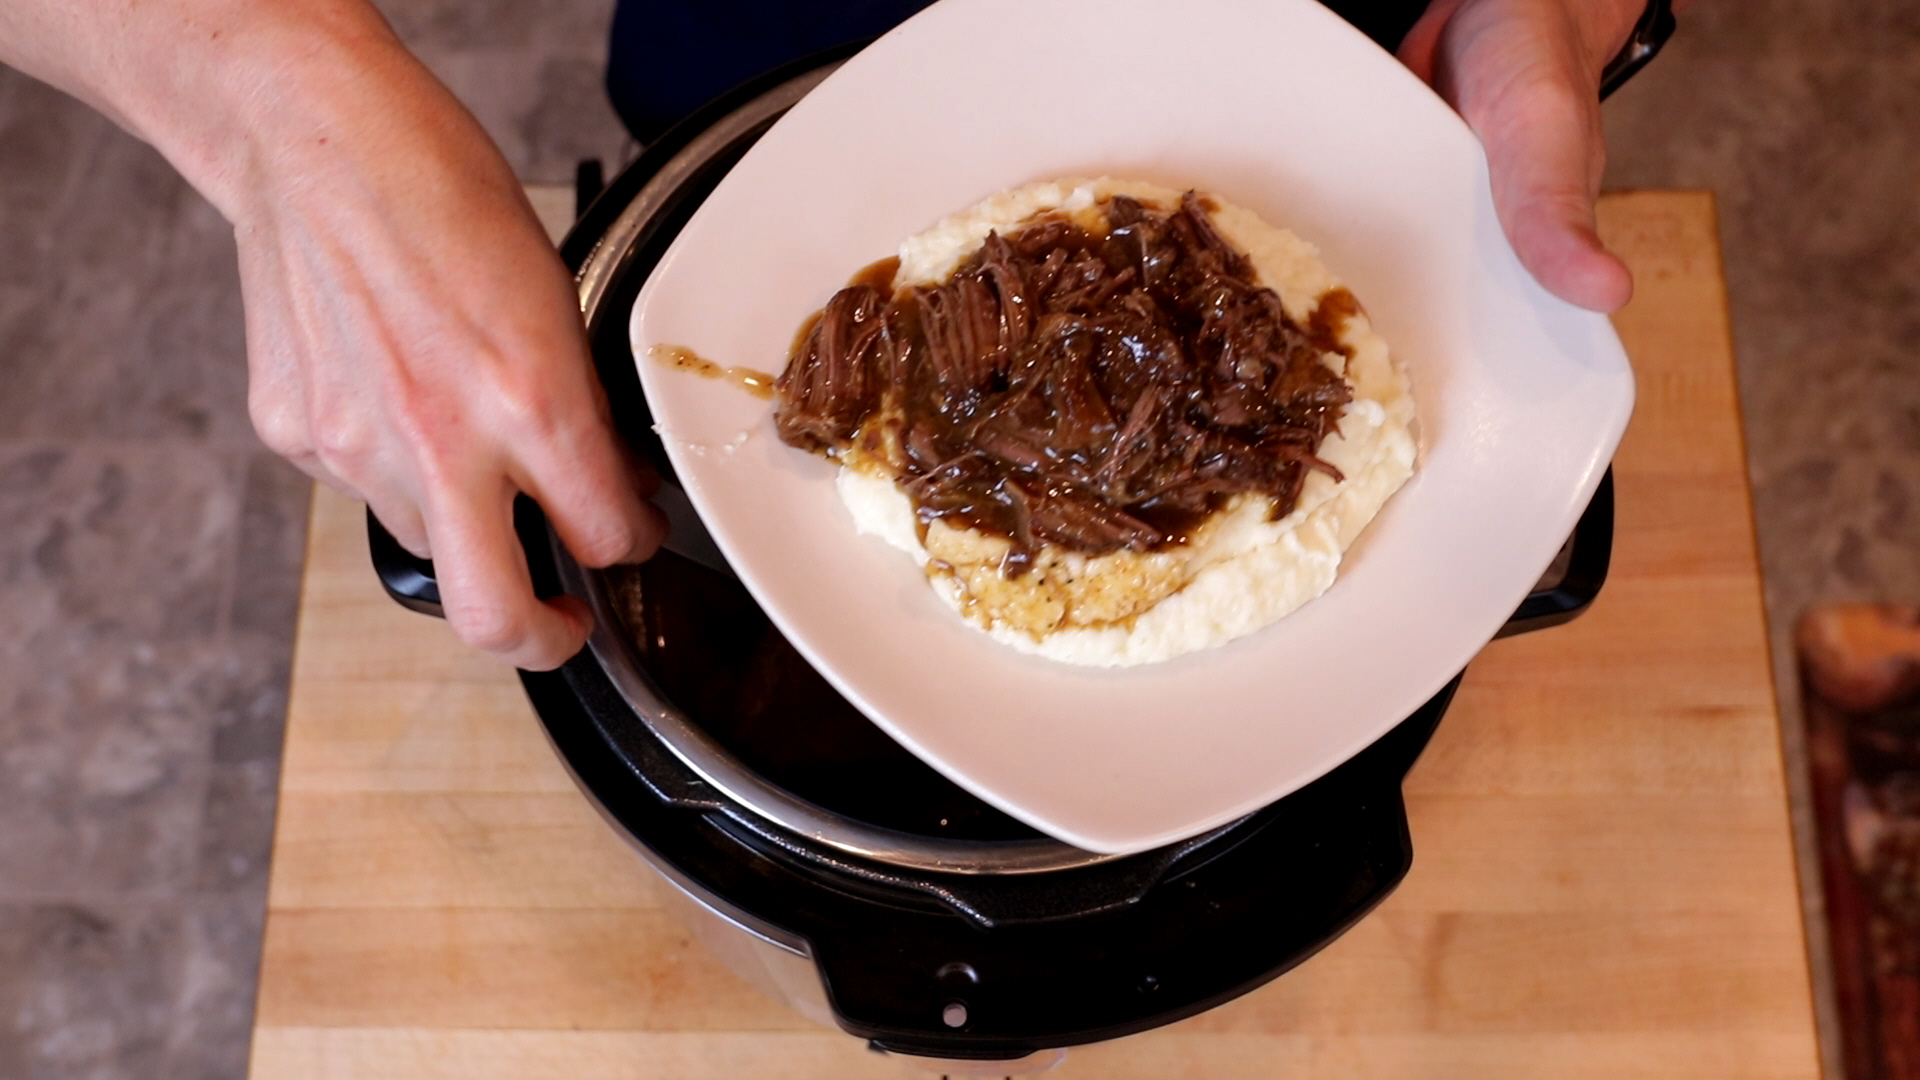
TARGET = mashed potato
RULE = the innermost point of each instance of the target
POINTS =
(1239, 571)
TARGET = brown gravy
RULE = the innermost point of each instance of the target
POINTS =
(681, 358)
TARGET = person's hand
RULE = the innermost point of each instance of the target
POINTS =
(414, 341)
(412, 338)
(1525, 75)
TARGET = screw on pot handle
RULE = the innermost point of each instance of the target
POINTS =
(1589, 554)
(407, 577)
(410, 581)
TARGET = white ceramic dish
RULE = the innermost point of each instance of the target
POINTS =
(1274, 104)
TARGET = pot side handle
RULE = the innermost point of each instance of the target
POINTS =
(410, 581)
(1588, 555)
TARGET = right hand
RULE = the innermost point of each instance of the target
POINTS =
(414, 341)
(412, 338)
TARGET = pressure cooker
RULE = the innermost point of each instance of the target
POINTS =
(830, 866)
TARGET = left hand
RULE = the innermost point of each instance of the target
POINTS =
(1525, 75)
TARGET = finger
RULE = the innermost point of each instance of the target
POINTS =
(1417, 48)
(594, 493)
(485, 589)
(1515, 71)
(599, 532)
(1545, 161)
(1553, 233)
(401, 518)
(556, 431)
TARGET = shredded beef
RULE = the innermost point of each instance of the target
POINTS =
(1092, 391)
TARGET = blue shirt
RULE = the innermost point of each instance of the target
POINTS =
(669, 57)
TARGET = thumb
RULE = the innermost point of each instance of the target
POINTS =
(1516, 72)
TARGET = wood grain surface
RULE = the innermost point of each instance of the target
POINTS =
(1603, 884)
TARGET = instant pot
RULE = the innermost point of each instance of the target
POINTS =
(831, 867)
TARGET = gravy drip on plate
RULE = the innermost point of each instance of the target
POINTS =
(1091, 390)
(681, 358)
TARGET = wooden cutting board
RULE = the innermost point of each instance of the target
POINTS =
(1603, 882)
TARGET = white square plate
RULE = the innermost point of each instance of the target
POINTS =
(1276, 105)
